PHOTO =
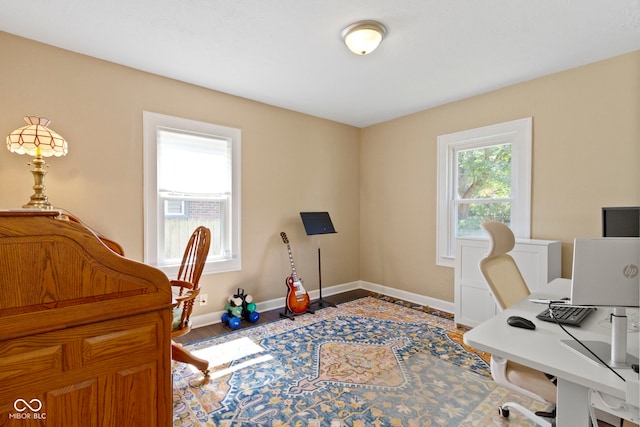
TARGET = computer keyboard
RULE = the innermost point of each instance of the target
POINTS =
(566, 314)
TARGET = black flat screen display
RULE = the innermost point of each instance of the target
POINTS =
(621, 221)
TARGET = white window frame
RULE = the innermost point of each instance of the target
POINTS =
(516, 132)
(153, 205)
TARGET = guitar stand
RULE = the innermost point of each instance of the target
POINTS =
(292, 316)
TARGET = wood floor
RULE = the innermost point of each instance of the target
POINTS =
(265, 317)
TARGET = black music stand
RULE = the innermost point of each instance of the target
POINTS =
(318, 223)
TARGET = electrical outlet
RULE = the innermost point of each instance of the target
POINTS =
(204, 298)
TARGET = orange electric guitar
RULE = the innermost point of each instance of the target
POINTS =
(297, 298)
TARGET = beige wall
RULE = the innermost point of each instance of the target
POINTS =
(586, 154)
(379, 183)
(290, 163)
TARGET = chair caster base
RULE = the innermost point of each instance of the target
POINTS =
(540, 421)
(547, 414)
(504, 412)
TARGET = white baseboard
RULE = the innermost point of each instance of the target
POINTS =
(274, 304)
(438, 304)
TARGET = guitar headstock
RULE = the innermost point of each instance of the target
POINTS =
(284, 238)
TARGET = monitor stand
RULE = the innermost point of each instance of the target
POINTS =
(615, 354)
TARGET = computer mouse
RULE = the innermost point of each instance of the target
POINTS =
(520, 322)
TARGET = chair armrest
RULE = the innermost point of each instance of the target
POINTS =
(189, 295)
(182, 284)
(186, 290)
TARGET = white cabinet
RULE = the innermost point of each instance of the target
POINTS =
(539, 262)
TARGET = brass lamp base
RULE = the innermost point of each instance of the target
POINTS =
(38, 200)
(38, 204)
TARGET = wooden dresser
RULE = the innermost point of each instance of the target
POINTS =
(84, 332)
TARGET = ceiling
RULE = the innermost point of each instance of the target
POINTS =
(289, 53)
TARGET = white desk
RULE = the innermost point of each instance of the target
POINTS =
(541, 349)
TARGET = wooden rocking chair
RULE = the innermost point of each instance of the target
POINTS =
(186, 288)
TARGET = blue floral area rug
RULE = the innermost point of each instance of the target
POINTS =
(364, 363)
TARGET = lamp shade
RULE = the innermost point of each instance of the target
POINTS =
(36, 139)
(363, 37)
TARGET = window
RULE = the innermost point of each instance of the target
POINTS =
(483, 174)
(191, 178)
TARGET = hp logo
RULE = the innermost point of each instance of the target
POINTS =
(630, 271)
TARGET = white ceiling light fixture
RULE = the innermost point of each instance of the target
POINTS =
(363, 37)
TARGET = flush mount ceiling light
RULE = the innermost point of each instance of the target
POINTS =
(363, 37)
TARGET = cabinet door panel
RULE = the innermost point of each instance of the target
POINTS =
(42, 361)
(115, 344)
(470, 272)
(82, 397)
(134, 392)
(476, 304)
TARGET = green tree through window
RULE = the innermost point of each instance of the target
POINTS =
(483, 187)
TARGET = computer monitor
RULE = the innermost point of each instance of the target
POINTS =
(606, 273)
(621, 221)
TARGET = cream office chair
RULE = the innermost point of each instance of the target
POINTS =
(508, 287)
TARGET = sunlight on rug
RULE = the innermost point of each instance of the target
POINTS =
(367, 362)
